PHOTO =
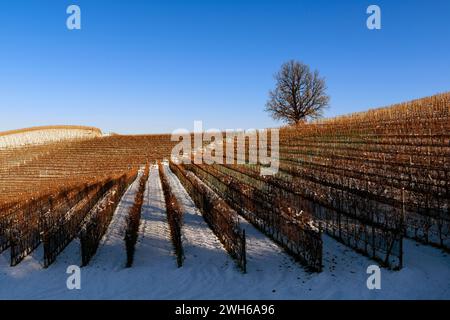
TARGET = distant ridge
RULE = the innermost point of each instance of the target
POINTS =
(57, 127)
(46, 134)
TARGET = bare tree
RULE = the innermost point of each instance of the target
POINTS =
(299, 94)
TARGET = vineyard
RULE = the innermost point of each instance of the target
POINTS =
(42, 135)
(367, 188)
(376, 177)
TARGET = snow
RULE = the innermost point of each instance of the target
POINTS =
(208, 272)
(112, 247)
(45, 135)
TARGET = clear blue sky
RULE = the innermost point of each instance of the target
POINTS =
(154, 66)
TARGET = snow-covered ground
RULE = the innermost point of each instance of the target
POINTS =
(209, 273)
(112, 249)
(41, 135)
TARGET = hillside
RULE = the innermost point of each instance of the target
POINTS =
(364, 189)
(47, 134)
(39, 169)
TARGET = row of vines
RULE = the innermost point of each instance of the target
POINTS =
(97, 221)
(54, 219)
(174, 215)
(134, 217)
(277, 213)
(221, 218)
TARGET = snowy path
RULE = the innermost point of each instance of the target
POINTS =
(205, 257)
(209, 273)
(154, 246)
